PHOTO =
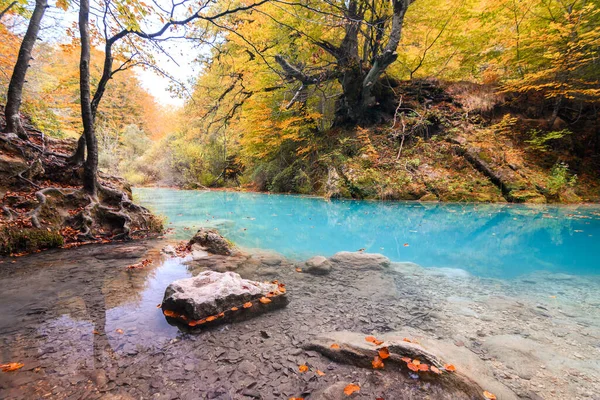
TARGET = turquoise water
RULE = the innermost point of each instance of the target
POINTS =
(489, 240)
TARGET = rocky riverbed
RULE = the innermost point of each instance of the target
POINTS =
(86, 326)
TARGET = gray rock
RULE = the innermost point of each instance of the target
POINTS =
(211, 293)
(211, 241)
(366, 261)
(169, 250)
(317, 265)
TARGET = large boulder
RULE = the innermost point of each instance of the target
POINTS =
(317, 265)
(360, 260)
(211, 241)
(212, 297)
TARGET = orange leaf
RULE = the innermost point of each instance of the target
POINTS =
(351, 388)
(449, 367)
(377, 363)
(247, 305)
(264, 300)
(119, 331)
(234, 308)
(298, 269)
(488, 395)
(270, 294)
(424, 367)
(407, 340)
(95, 332)
(296, 398)
(335, 346)
(211, 318)
(302, 368)
(320, 373)
(373, 339)
(436, 370)
(416, 362)
(406, 359)
(221, 315)
(412, 367)
(170, 313)
(384, 353)
(11, 366)
(406, 245)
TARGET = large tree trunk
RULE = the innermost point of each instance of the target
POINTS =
(17, 80)
(90, 168)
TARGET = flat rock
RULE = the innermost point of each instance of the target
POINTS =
(210, 240)
(211, 293)
(119, 252)
(359, 260)
(317, 265)
(471, 378)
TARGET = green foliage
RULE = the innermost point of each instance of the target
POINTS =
(560, 178)
(541, 140)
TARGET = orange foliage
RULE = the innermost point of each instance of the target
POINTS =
(436, 370)
(234, 308)
(449, 367)
(384, 353)
(264, 300)
(351, 388)
(373, 339)
(302, 368)
(247, 305)
(335, 346)
(377, 363)
(11, 366)
(488, 395)
(320, 373)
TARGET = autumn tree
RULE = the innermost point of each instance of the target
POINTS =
(15, 88)
(371, 33)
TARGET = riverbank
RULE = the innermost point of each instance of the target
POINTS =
(43, 206)
(88, 326)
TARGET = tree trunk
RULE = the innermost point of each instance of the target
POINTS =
(90, 168)
(17, 80)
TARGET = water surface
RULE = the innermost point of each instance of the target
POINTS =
(489, 240)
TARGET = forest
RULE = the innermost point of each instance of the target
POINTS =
(299, 199)
(496, 100)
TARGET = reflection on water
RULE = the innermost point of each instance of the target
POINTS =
(492, 240)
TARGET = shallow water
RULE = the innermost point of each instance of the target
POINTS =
(487, 240)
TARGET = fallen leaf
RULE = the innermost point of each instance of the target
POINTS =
(170, 313)
(298, 269)
(377, 363)
(407, 340)
(211, 318)
(488, 395)
(302, 368)
(423, 367)
(264, 300)
(296, 398)
(416, 362)
(320, 373)
(234, 308)
(247, 305)
(335, 346)
(159, 305)
(119, 331)
(373, 339)
(449, 367)
(351, 388)
(95, 332)
(384, 353)
(412, 367)
(11, 366)
(406, 359)
(436, 370)
(406, 244)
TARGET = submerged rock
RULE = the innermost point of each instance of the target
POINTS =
(361, 260)
(211, 241)
(317, 265)
(215, 296)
